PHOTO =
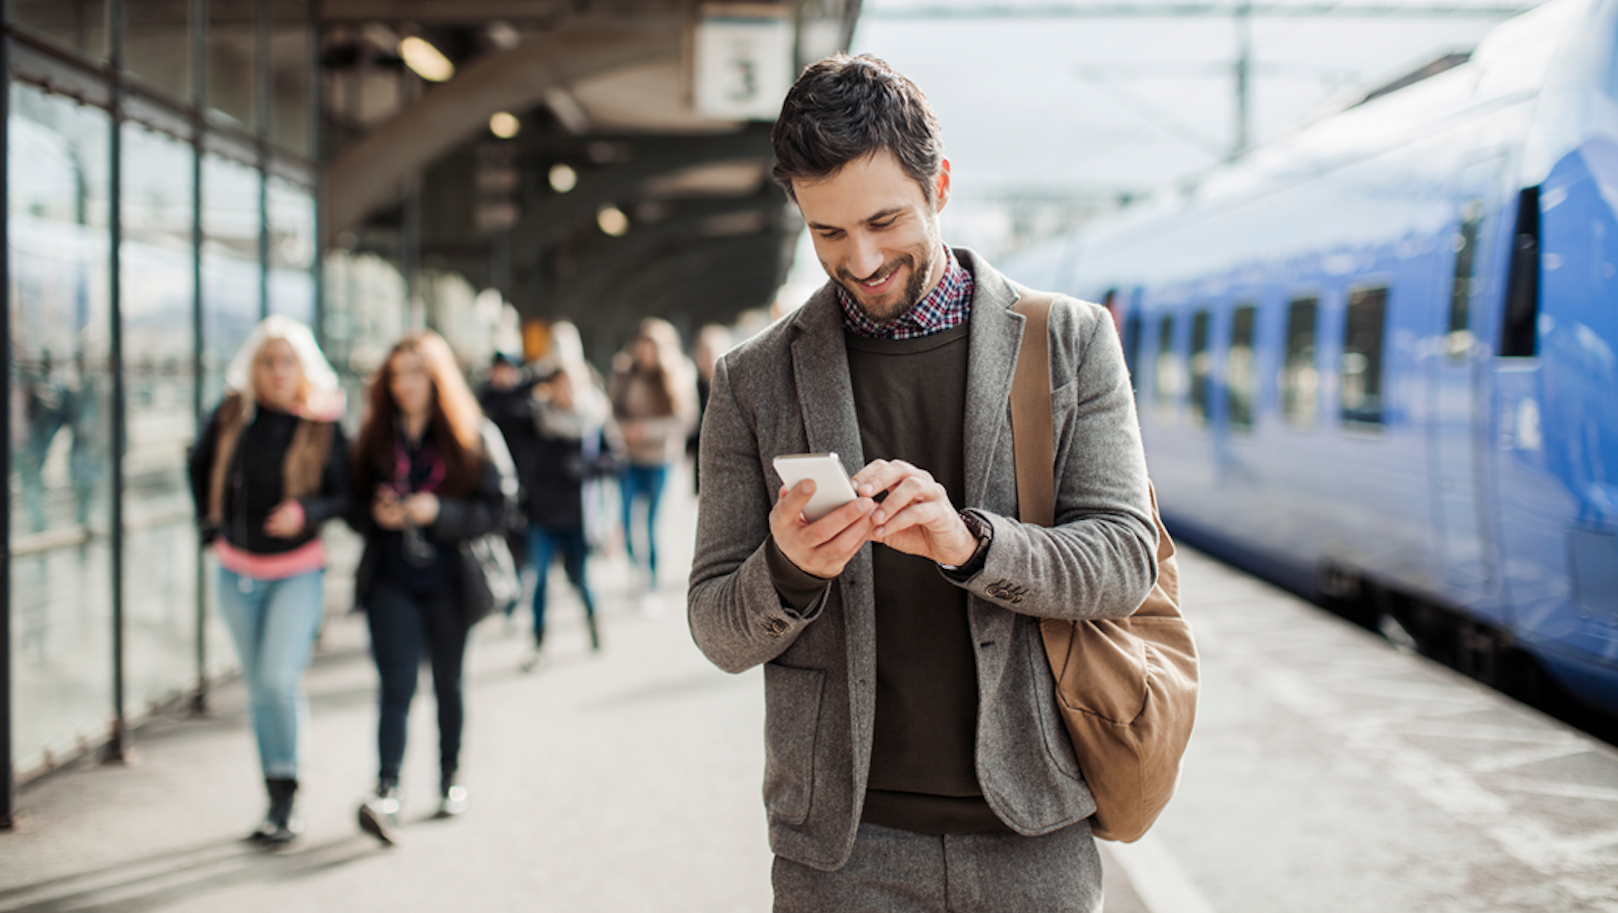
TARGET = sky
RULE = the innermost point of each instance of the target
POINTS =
(1054, 112)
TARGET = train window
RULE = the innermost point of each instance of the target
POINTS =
(1201, 368)
(1241, 380)
(1168, 374)
(1133, 338)
(1300, 381)
(1361, 364)
(1459, 339)
(1519, 333)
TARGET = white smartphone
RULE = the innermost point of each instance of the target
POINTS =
(832, 486)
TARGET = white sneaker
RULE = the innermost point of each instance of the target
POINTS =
(531, 659)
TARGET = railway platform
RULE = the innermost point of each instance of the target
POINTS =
(1329, 772)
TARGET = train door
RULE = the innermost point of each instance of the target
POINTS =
(1456, 396)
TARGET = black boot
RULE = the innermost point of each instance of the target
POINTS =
(595, 633)
(280, 827)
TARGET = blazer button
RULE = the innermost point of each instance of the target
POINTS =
(775, 627)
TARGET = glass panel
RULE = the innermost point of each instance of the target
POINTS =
(289, 75)
(1362, 356)
(1201, 368)
(365, 313)
(160, 540)
(292, 250)
(78, 24)
(1300, 381)
(232, 60)
(1241, 379)
(231, 287)
(1168, 370)
(157, 43)
(60, 388)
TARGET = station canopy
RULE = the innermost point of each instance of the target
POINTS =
(595, 161)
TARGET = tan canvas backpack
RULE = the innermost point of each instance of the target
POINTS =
(1126, 687)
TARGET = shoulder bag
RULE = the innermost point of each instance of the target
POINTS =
(1126, 687)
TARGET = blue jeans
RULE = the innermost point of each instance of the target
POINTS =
(404, 621)
(643, 482)
(542, 547)
(274, 624)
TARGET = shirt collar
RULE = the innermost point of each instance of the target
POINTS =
(947, 306)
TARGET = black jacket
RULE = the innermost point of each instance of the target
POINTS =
(490, 507)
(255, 481)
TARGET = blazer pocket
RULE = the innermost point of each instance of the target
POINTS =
(791, 720)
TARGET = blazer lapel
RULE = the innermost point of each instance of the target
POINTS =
(825, 393)
(994, 339)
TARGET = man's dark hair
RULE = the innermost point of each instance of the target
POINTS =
(845, 108)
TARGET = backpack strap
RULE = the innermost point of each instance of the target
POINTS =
(1033, 434)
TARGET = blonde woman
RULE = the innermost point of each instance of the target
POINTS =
(270, 468)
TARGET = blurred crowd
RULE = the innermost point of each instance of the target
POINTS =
(463, 498)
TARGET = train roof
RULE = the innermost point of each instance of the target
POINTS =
(1558, 49)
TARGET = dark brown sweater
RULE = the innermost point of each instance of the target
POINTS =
(910, 397)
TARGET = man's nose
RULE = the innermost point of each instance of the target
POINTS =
(867, 258)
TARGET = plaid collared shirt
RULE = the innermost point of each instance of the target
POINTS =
(945, 307)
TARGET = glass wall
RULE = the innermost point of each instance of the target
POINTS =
(157, 299)
(291, 215)
(157, 47)
(232, 286)
(77, 24)
(59, 296)
(245, 181)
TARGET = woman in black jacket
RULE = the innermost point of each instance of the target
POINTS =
(432, 482)
(270, 467)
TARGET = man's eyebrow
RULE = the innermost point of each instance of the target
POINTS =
(873, 217)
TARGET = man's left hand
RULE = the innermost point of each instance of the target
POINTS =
(917, 517)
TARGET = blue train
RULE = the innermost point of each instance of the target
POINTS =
(1379, 358)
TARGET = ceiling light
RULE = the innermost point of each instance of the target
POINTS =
(612, 221)
(426, 60)
(563, 178)
(504, 125)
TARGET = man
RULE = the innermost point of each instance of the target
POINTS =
(507, 399)
(914, 756)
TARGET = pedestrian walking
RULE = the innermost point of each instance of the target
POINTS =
(431, 478)
(269, 468)
(653, 393)
(574, 450)
(507, 399)
(914, 757)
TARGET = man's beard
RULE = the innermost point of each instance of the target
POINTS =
(912, 296)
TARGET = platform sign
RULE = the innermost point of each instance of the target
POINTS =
(743, 65)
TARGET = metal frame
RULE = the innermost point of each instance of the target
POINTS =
(8, 785)
(116, 751)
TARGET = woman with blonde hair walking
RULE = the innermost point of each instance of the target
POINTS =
(269, 468)
(434, 494)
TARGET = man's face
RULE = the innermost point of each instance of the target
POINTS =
(876, 233)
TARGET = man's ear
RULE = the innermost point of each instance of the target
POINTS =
(941, 185)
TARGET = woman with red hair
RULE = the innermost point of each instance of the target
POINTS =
(433, 491)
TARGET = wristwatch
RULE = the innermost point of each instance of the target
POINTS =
(979, 526)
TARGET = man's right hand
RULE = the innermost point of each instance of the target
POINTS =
(825, 546)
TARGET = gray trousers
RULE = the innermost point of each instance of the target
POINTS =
(895, 871)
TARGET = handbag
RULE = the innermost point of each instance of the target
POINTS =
(488, 576)
(1126, 687)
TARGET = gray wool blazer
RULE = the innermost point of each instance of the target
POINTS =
(788, 391)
